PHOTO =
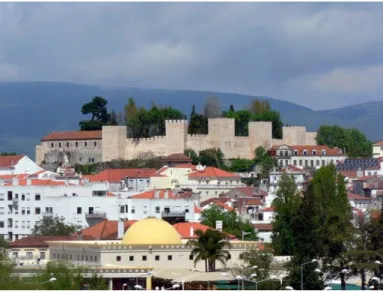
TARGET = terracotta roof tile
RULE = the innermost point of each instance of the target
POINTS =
(349, 174)
(197, 209)
(318, 149)
(224, 206)
(160, 194)
(116, 175)
(183, 228)
(249, 201)
(37, 182)
(38, 241)
(352, 196)
(10, 177)
(105, 230)
(263, 226)
(379, 143)
(9, 161)
(212, 172)
(73, 135)
(268, 209)
(212, 200)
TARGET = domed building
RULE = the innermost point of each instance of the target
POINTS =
(150, 248)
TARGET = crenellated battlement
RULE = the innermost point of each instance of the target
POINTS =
(221, 134)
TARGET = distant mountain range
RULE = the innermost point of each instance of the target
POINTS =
(30, 110)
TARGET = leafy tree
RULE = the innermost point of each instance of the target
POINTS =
(241, 165)
(264, 161)
(212, 108)
(210, 247)
(242, 119)
(258, 106)
(8, 154)
(286, 203)
(4, 249)
(198, 123)
(54, 226)
(211, 157)
(231, 109)
(100, 115)
(261, 259)
(231, 222)
(193, 155)
(352, 140)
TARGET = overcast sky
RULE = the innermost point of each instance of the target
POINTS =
(318, 55)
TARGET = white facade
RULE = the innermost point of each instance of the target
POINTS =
(275, 176)
(21, 205)
(19, 165)
(377, 150)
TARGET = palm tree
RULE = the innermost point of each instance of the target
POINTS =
(210, 247)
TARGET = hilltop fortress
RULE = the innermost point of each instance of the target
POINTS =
(110, 143)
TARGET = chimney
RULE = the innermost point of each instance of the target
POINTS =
(191, 234)
(120, 230)
(29, 181)
(359, 173)
(15, 181)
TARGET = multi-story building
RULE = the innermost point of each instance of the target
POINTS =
(307, 156)
(377, 149)
(208, 181)
(25, 201)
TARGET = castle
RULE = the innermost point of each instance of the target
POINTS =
(112, 143)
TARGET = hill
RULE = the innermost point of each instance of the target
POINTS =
(30, 110)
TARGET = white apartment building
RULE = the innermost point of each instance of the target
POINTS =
(299, 175)
(210, 182)
(377, 149)
(307, 156)
(25, 201)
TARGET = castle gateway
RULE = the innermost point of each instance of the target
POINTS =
(110, 143)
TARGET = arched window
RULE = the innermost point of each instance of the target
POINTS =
(314, 152)
(295, 152)
(305, 152)
(323, 152)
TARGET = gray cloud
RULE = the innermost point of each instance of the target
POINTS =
(320, 55)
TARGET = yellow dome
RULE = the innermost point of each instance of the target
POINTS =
(151, 231)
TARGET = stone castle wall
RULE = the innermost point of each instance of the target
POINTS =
(115, 144)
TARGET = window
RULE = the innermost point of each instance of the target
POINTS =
(157, 258)
(22, 197)
(15, 255)
(294, 162)
(118, 258)
(306, 163)
(323, 152)
(52, 145)
(187, 210)
(76, 144)
(133, 210)
(78, 257)
(80, 159)
(191, 257)
(23, 211)
(295, 152)
(37, 210)
(91, 210)
(54, 256)
(37, 197)
(314, 152)
(157, 209)
(95, 258)
(95, 143)
(170, 257)
(300, 162)
(91, 160)
(59, 144)
(323, 162)
(241, 256)
(79, 210)
(86, 258)
(131, 258)
(42, 255)
(1, 224)
(29, 256)
(304, 152)
(85, 144)
(318, 163)
(70, 257)
(9, 195)
(1, 197)
(28, 211)
(144, 258)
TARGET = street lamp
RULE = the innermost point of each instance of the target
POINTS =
(312, 261)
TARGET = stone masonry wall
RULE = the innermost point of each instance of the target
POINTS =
(115, 144)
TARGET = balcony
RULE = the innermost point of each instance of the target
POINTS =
(95, 215)
(47, 214)
(173, 214)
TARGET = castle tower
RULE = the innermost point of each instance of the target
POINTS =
(113, 142)
(294, 135)
(260, 134)
(176, 134)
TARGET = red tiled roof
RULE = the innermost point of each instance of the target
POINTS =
(116, 175)
(212, 172)
(9, 161)
(248, 191)
(379, 143)
(38, 241)
(268, 209)
(366, 178)
(249, 201)
(349, 174)
(183, 228)
(318, 149)
(110, 194)
(151, 194)
(37, 182)
(185, 166)
(73, 135)
(223, 205)
(105, 230)
(292, 168)
(197, 209)
(10, 177)
(263, 226)
(212, 200)
(352, 196)
(358, 212)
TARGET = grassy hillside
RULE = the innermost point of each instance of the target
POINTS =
(30, 110)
